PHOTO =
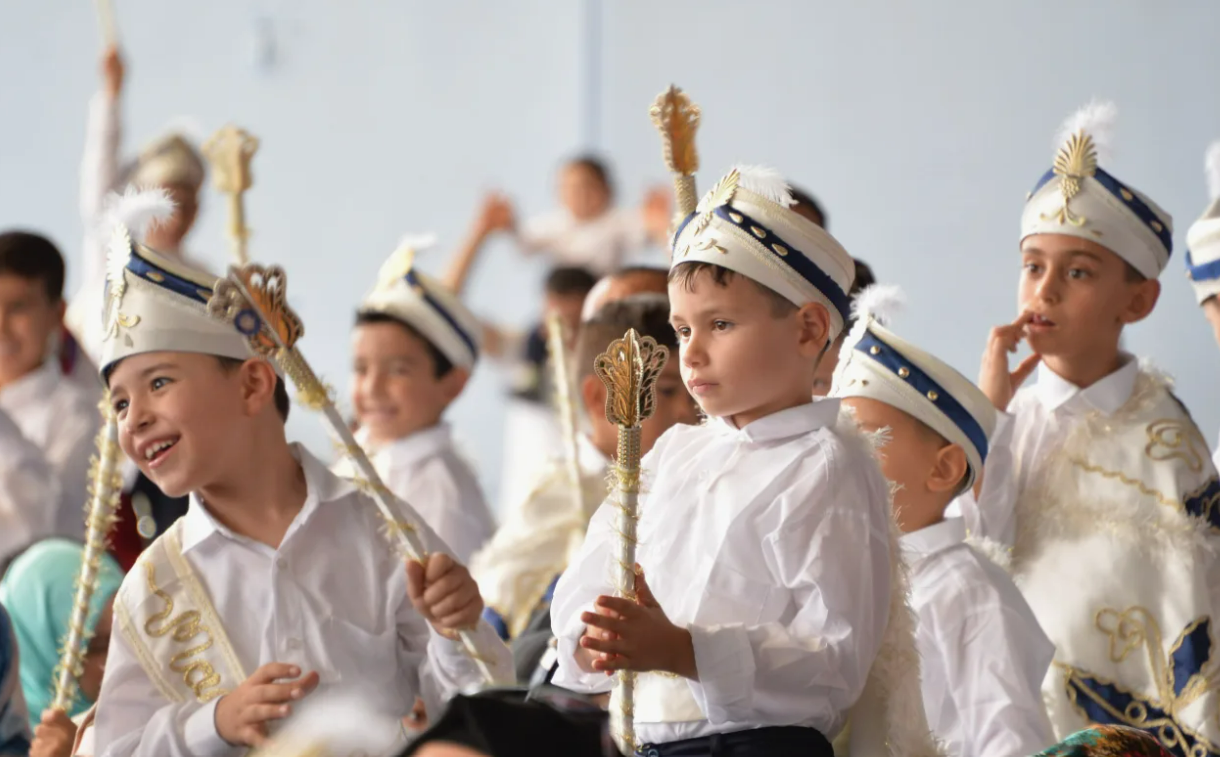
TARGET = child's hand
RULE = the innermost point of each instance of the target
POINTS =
(643, 639)
(496, 214)
(657, 211)
(997, 383)
(54, 736)
(444, 593)
(242, 715)
(112, 72)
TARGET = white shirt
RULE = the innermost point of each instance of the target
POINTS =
(426, 471)
(771, 545)
(48, 424)
(599, 245)
(331, 599)
(983, 655)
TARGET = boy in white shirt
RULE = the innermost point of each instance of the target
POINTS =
(983, 654)
(1203, 251)
(1098, 479)
(765, 534)
(413, 349)
(47, 423)
(279, 579)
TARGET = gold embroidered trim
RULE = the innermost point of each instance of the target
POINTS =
(1172, 439)
(146, 660)
(198, 675)
(1121, 478)
(173, 549)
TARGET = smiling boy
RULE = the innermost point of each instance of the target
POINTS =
(1098, 479)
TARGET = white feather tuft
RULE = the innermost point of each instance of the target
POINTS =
(417, 242)
(335, 723)
(137, 209)
(1096, 119)
(766, 182)
(879, 302)
(1211, 165)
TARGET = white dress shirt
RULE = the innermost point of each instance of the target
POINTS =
(599, 245)
(332, 598)
(771, 545)
(426, 470)
(47, 428)
(983, 654)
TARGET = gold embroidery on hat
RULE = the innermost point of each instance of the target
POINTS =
(1075, 162)
(932, 395)
(1126, 193)
(116, 281)
(154, 276)
(760, 233)
(780, 250)
(874, 350)
(904, 372)
(1157, 226)
(737, 217)
(719, 195)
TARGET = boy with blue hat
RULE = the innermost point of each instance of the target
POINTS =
(983, 654)
(1099, 480)
(1203, 251)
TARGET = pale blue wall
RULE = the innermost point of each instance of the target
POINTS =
(919, 125)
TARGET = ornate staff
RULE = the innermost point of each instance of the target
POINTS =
(629, 368)
(677, 118)
(567, 409)
(253, 299)
(229, 151)
(105, 488)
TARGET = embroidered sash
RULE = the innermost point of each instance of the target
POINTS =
(164, 613)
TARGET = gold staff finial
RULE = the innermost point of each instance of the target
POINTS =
(629, 368)
(677, 119)
(229, 151)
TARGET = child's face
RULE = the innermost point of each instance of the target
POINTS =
(909, 459)
(1080, 295)
(176, 413)
(674, 405)
(738, 359)
(395, 390)
(582, 193)
(28, 318)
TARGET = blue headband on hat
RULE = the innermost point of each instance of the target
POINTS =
(445, 315)
(921, 382)
(1203, 271)
(784, 253)
(166, 280)
(1132, 200)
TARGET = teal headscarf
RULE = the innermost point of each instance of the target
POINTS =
(38, 591)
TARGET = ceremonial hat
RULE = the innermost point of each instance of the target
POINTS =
(1203, 237)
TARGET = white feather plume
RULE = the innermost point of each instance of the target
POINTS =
(766, 182)
(1097, 119)
(417, 242)
(335, 724)
(138, 209)
(879, 302)
(1211, 165)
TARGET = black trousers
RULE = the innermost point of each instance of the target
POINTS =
(774, 741)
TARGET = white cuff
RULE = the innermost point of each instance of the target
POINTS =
(725, 662)
(200, 735)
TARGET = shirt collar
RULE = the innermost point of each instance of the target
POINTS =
(935, 538)
(419, 445)
(786, 424)
(31, 387)
(1106, 395)
(321, 486)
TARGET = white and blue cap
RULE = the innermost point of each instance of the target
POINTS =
(1203, 237)
(1079, 198)
(875, 362)
(155, 303)
(746, 224)
(424, 304)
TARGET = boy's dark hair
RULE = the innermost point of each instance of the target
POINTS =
(864, 277)
(282, 404)
(647, 313)
(685, 274)
(808, 207)
(33, 256)
(1132, 274)
(597, 167)
(567, 281)
(441, 365)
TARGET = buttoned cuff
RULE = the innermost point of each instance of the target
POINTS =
(724, 660)
(200, 735)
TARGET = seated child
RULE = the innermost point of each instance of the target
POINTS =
(413, 349)
(983, 654)
(280, 578)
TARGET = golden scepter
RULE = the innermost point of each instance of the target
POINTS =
(677, 118)
(565, 404)
(254, 299)
(105, 489)
(629, 368)
(229, 151)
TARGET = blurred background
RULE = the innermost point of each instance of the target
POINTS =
(918, 126)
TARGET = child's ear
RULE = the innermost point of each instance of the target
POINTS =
(949, 469)
(593, 394)
(257, 385)
(1144, 295)
(453, 382)
(814, 322)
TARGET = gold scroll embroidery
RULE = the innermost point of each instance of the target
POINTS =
(198, 675)
(1170, 439)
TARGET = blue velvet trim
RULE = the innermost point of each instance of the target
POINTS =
(497, 622)
(1203, 271)
(1140, 208)
(435, 304)
(156, 275)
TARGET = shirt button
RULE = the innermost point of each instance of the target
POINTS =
(282, 564)
(293, 644)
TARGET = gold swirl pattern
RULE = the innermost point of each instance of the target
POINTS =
(198, 675)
